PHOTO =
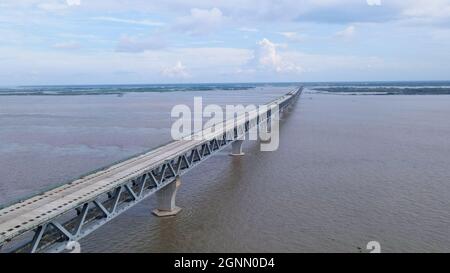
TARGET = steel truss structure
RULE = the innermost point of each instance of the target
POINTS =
(53, 235)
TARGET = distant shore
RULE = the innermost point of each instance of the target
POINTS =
(340, 88)
(110, 90)
(386, 90)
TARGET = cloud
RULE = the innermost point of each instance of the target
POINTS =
(201, 21)
(337, 11)
(292, 36)
(128, 21)
(347, 33)
(138, 44)
(343, 67)
(54, 5)
(267, 58)
(247, 29)
(252, 11)
(200, 64)
(177, 71)
(374, 2)
(211, 64)
(437, 9)
(67, 45)
(419, 27)
(73, 2)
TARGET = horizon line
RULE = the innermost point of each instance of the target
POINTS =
(211, 83)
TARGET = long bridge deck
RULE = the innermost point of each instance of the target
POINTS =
(46, 222)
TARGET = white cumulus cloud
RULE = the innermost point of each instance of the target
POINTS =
(177, 71)
(266, 57)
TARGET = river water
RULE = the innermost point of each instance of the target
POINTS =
(349, 170)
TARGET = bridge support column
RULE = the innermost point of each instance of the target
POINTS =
(166, 199)
(236, 148)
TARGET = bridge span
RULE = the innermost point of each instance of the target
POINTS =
(47, 222)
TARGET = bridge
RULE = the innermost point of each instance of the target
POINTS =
(47, 222)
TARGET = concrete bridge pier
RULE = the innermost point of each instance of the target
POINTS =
(166, 199)
(236, 148)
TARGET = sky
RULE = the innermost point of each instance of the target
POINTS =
(52, 42)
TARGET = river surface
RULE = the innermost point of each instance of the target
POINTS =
(349, 170)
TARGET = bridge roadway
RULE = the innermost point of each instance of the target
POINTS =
(34, 214)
